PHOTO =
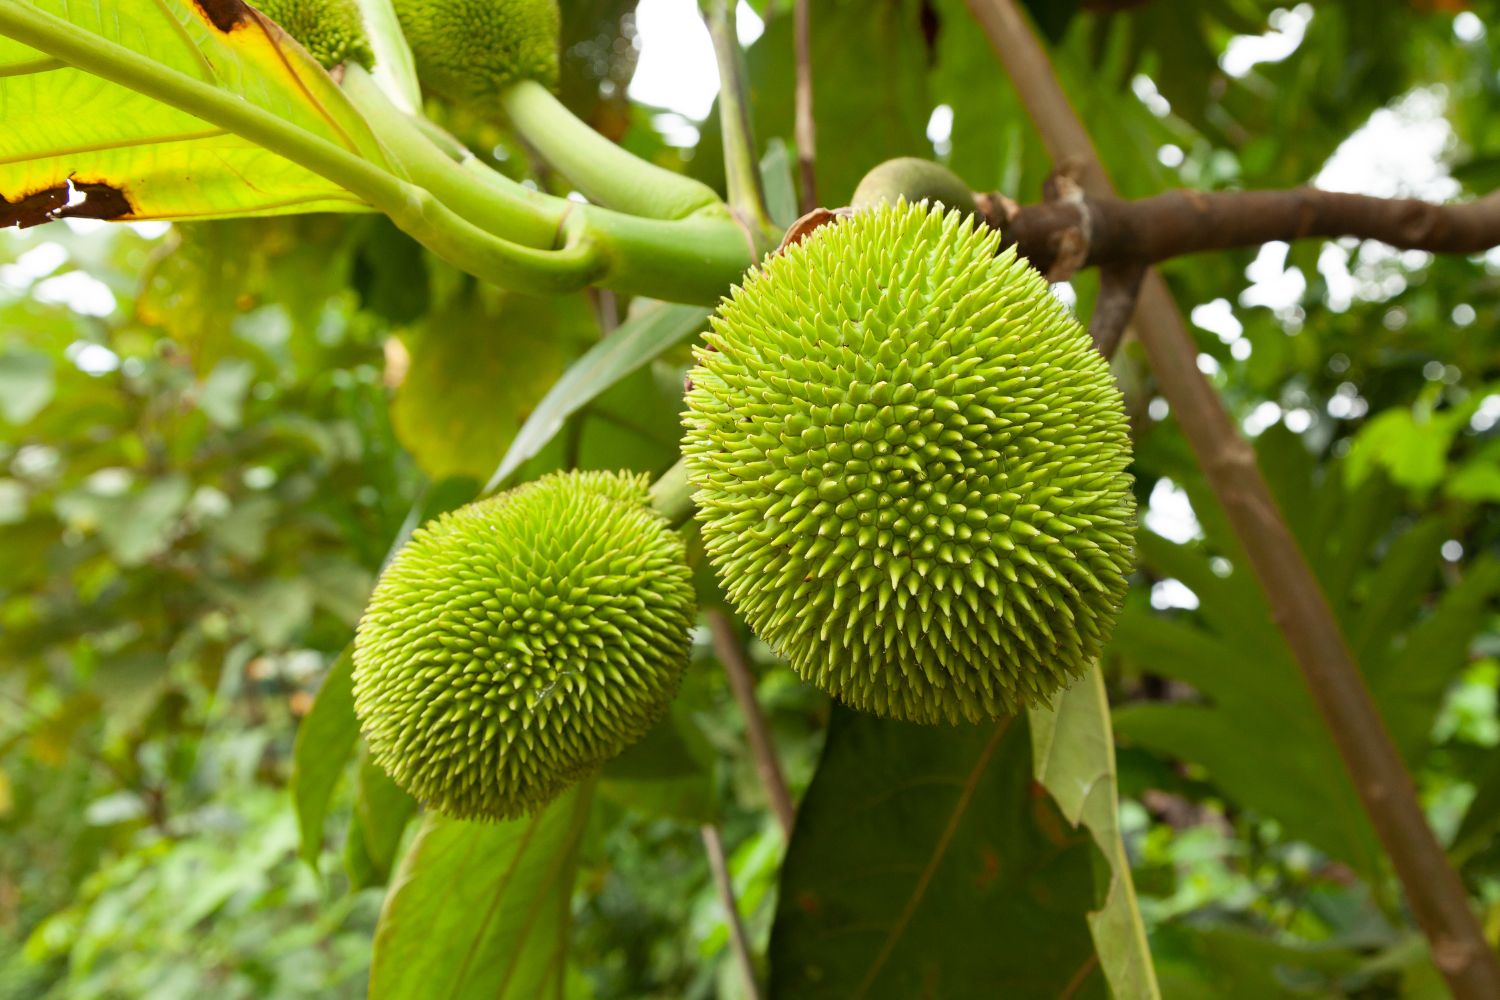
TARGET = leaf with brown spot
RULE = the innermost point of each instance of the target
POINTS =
(76, 145)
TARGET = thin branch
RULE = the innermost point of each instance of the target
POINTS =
(747, 195)
(805, 129)
(1119, 288)
(713, 846)
(1300, 609)
(731, 653)
(1184, 222)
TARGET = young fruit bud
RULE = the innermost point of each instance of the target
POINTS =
(517, 643)
(470, 50)
(911, 469)
(331, 30)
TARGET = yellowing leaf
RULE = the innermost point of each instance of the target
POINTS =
(76, 145)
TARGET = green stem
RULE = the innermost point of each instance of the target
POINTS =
(672, 494)
(602, 171)
(692, 260)
(488, 199)
(742, 171)
(410, 207)
(915, 180)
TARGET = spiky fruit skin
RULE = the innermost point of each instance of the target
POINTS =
(331, 30)
(515, 644)
(470, 50)
(910, 467)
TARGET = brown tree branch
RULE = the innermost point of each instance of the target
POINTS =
(1300, 609)
(731, 653)
(1113, 231)
(713, 846)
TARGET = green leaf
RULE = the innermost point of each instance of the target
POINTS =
(381, 811)
(668, 773)
(923, 863)
(26, 384)
(69, 133)
(478, 366)
(780, 185)
(1257, 721)
(647, 335)
(325, 739)
(482, 910)
(1074, 750)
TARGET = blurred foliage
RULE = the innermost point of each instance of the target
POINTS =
(210, 437)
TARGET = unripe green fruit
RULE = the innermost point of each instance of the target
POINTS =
(470, 50)
(331, 30)
(514, 645)
(910, 467)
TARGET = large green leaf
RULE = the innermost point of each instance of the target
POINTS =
(70, 135)
(1074, 750)
(926, 863)
(479, 365)
(482, 909)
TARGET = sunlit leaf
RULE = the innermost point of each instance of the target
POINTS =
(75, 145)
(1074, 751)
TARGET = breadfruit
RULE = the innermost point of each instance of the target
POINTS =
(515, 644)
(910, 468)
(331, 30)
(470, 50)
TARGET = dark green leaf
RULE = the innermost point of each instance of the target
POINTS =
(925, 863)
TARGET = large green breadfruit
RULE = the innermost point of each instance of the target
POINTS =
(910, 467)
(514, 645)
(470, 50)
(331, 30)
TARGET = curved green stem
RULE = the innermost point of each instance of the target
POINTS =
(672, 494)
(487, 198)
(692, 260)
(605, 173)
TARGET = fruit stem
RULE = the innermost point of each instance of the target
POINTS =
(601, 170)
(692, 259)
(672, 495)
(490, 200)
(915, 180)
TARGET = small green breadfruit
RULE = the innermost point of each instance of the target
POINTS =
(470, 50)
(331, 30)
(910, 466)
(514, 645)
